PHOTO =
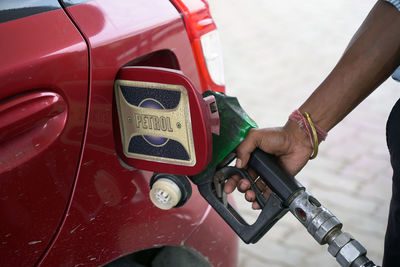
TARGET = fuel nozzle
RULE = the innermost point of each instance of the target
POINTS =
(169, 191)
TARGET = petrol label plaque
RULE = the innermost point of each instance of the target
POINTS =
(155, 122)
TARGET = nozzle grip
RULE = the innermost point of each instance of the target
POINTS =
(283, 185)
(277, 179)
(270, 214)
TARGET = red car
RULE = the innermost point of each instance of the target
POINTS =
(66, 197)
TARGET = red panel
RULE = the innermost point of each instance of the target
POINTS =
(43, 95)
(110, 214)
(215, 239)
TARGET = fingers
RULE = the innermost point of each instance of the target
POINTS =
(250, 196)
(236, 182)
(231, 184)
(243, 185)
(255, 206)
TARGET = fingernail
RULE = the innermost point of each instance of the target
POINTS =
(238, 163)
(248, 198)
(242, 186)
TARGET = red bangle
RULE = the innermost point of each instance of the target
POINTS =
(298, 118)
(312, 130)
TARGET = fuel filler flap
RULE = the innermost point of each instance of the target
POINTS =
(163, 124)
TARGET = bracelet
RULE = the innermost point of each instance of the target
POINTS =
(315, 133)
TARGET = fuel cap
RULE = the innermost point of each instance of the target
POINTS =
(169, 190)
(165, 194)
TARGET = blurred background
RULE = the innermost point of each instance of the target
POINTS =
(275, 54)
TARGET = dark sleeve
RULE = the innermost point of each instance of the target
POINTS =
(396, 3)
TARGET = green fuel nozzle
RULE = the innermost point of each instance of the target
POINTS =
(235, 124)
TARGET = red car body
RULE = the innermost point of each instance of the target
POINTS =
(65, 197)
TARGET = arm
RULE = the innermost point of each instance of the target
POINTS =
(371, 56)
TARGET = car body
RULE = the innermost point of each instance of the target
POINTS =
(66, 199)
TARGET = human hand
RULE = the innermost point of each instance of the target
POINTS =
(290, 144)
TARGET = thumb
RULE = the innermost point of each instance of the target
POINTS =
(270, 140)
(247, 146)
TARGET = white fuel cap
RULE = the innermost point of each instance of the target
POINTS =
(165, 194)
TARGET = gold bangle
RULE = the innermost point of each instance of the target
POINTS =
(315, 136)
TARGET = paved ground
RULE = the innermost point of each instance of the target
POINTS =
(276, 53)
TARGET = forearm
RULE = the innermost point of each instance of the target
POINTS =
(372, 55)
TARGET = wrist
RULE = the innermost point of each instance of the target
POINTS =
(297, 137)
(315, 133)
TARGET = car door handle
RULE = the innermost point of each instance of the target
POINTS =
(28, 124)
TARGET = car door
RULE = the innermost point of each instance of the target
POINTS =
(110, 213)
(43, 100)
